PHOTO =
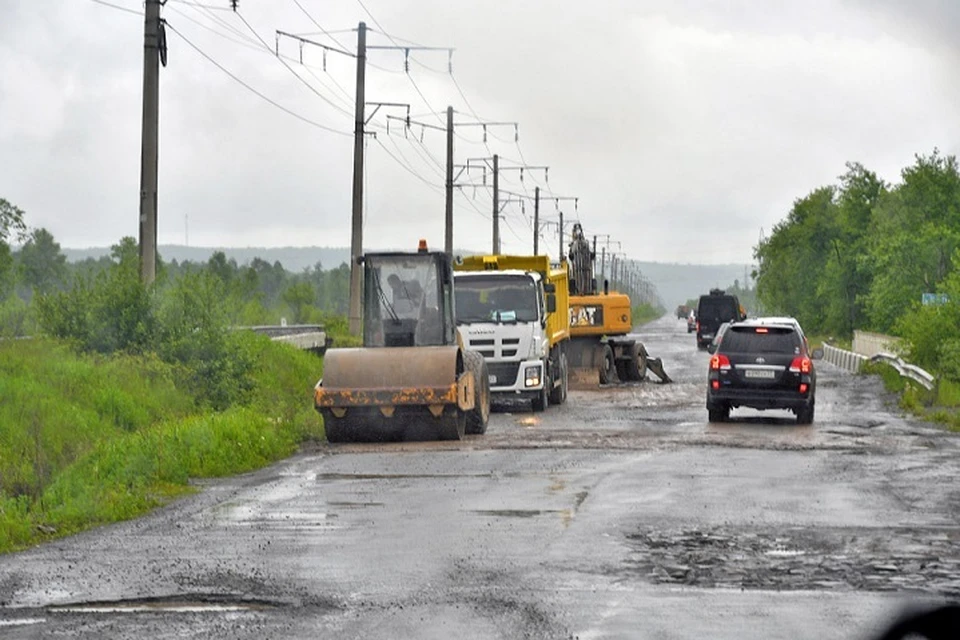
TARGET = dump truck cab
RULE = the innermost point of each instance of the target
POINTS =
(513, 310)
(411, 379)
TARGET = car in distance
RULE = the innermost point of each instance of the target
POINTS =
(712, 311)
(691, 321)
(762, 365)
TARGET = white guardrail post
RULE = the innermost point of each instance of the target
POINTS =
(846, 360)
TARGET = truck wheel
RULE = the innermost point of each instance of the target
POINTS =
(542, 400)
(558, 395)
(637, 364)
(478, 417)
(607, 366)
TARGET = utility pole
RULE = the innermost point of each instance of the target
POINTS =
(153, 41)
(603, 264)
(356, 235)
(536, 221)
(448, 219)
(560, 236)
(496, 204)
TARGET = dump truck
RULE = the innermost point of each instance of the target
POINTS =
(412, 379)
(514, 310)
(601, 344)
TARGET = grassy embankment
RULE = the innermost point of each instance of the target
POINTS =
(91, 439)
(646, 312)
(940, 405)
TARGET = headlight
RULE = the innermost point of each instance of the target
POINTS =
(531, 376)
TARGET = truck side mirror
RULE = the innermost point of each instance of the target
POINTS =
(551, 303)
(549, 287)
(711, 348)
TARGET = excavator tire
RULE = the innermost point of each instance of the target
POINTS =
(636, 368)
(607, 367)
(479, 416)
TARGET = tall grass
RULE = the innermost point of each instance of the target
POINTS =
(91, 439)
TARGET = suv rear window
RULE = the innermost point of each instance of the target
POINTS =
(769, 340)
(717, 309)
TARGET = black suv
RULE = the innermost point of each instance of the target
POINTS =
(712, 311)
(763, 366)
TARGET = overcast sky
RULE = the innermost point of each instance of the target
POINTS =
(683, 126)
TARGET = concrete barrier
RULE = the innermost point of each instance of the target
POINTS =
(846, 360)
(870, 344)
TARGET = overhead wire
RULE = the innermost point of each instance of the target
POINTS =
(258, 93)
(118, 7)
(396, 43)
(291, 70)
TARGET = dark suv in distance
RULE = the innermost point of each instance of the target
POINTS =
(762, 365)
(712, 311)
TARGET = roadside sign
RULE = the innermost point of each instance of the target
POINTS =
(934, 298)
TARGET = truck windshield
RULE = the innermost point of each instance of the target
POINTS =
(496, 299)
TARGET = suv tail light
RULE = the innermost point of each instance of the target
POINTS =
(800, 364)
(719, 362)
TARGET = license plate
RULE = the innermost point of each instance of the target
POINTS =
(759, 373)
(493, 379)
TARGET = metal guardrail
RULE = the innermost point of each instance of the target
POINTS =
(309, 337)
(906, 369)
(847, 360)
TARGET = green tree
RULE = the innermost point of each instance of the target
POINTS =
(299, 296)
(916, 230)
(11, 224)
(44, 267)
(847, 274)
(792, 260)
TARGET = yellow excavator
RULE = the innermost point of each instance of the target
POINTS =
(601, 345)
(412, 379)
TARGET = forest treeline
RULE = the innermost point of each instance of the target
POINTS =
(861, 254)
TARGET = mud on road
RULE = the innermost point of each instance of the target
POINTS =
(620, 514)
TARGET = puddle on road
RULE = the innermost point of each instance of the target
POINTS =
(355, 505)
(203, 603)
(516, 513)
(21, 622)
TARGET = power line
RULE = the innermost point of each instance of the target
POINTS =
(118, 7)
(296, 75)
(391, 38)
(407, 168)
(255, 91)
(200, 4)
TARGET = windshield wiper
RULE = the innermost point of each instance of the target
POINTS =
(383, 298)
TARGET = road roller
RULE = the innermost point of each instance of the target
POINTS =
(412, 379)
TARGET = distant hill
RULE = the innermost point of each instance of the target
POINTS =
(293, 259)
(676, 283)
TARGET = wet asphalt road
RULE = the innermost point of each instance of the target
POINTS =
(621, 514)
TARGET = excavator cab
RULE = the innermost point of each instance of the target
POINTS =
(411, 379)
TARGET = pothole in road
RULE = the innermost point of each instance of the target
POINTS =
(923, 560)
(193, 603)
